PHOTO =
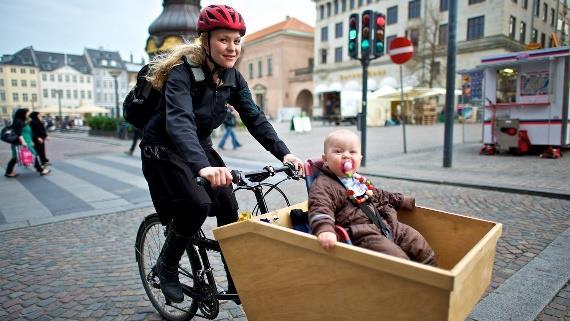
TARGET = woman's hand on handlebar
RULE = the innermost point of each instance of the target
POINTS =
(290, 158)
(217, 176)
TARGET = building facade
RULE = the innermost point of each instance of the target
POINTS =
(19, 82)
(484, 27)
(277, 64)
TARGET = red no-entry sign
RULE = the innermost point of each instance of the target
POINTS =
(401, 50)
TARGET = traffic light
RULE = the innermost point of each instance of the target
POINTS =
(353, 36)
(366, 39)
(378, 44)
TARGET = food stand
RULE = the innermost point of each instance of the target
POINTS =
(526, 100)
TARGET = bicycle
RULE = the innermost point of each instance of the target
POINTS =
(195, 272)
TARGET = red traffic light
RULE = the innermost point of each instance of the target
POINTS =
(380, 21)
(365, 19)
(352, 22)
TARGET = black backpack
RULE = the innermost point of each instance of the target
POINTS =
(9, 136)
(144, 101)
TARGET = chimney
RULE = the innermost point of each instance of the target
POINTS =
(131, 58)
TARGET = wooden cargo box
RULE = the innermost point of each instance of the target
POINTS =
(284, 275)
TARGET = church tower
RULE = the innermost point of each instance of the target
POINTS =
(175, 25)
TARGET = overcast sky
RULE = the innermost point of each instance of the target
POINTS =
(68, 26)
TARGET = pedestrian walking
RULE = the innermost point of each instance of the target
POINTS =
(39, 136)
(136, 136)
(21, 126)
(229, 125)
(177, 145)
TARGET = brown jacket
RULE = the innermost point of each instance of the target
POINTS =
(329, 206)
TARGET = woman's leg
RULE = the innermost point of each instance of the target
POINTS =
(40, 149)
(10, 167)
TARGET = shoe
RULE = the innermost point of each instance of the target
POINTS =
(45, 171)
(169, 282)
(12, 176)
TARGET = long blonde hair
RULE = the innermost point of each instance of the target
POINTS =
(161, 65)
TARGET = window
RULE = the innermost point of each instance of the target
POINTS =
(512, 27)
(2, 96)
(24, 97)
(475, 1)
(46, 94)
(24, 83)
(414, 36)
(321, 12)
(343, 7)
(1, 69)
(475, 28)
(89, 94)
(74, 78)
(515, 1)
(543, 40)
(269, 66)
(14, 83)
(32, 83)
(34, 97)
(88, 80)
(338, 54)
(392, 17)
(81, 79)
(51, 78)
(68, 94)
(22, 70)
(32, 71)
(360, 3)
(534, 35)
(328, 9)
(335, 7)
(66, 78)
(13, 70)
(59, 78)
(15, 97)
(44, 77)
(552, 17)
(323, 56)
(1, 82)
(53, 93)
(544, 12)
(443, 5)
(388, 41)
(442, 35)
(259, 69)
(522, 32)
(324, 34)
(338, 30)
(414, 9)
(83, 94)
(351, 4)
(525, 4)
(536, 8)
(75, 94)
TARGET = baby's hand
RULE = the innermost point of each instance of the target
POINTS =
(327, 239)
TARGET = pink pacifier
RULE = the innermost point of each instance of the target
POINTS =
(347, 167)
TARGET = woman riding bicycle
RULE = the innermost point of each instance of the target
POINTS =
(176, 144)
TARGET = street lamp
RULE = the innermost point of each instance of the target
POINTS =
(115, 73)
(59, 94)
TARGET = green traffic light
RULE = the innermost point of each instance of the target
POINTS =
(365, 44)
(379, 46)
(352, 34)
(351, 46)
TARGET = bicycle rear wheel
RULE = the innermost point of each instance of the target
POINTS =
(150, 239)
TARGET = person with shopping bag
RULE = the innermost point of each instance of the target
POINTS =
(20, 125)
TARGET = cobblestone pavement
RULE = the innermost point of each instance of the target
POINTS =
(84, 269)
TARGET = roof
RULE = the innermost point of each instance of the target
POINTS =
(46, 61)
(24, 57)
(104, 59)
(289, 24)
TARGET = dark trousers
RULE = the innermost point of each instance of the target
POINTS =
(136, 137)
(41, 150)
(176, 195)
(13, 162)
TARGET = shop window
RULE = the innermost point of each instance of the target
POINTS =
(522, 32)
(534, 83)
(507, 85)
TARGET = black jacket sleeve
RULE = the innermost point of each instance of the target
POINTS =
(180, 120)
(255, 121)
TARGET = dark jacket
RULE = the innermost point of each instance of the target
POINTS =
(38, 128)
(188, 121)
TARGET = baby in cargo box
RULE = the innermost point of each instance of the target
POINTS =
(341, 196)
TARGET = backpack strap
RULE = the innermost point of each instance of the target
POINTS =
(370, 211)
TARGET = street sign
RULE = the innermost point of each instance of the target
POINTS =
(401, 50)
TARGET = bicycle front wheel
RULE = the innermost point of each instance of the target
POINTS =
(150, 239)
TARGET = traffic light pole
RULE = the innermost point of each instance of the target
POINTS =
(362, 119)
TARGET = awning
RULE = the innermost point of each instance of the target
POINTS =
(321, 88)
(90, 109)
(411, 93)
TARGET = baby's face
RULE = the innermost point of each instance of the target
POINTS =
(342, 154)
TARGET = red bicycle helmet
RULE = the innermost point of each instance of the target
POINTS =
(220, 17)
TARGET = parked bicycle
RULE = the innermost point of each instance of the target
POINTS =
(202, 293)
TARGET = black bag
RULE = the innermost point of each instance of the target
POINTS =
(144, 101)
(9, 136)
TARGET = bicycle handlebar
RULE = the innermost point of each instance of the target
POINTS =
(240, 178)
